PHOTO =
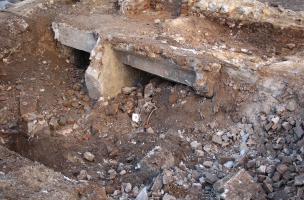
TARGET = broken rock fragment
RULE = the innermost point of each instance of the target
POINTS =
(143, 195)
(127, 187)
(299, 180)
(158, 184)
(53, 123)
(83, 175)
(240, 186)
(33, 122)
(196, 145)
(149, 90)
(217, 139)
(133, 6)
(128, 90)
(210, 178)
(168, 197)
(208, 164)
(89, 156)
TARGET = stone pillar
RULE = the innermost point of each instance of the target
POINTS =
(106, 75)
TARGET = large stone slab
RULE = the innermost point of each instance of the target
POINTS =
(167, 50)
(115, 49)
(72, 37)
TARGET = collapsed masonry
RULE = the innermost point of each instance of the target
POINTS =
(181, 49)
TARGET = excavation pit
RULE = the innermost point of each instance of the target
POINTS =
(143, 135)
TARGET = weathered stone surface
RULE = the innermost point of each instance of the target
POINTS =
(106, 75)
(241, 186)
(82, 40)
(92, 83)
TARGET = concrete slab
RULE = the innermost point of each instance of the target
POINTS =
(174, 49)
(81, 40)
(160, 67)
(115, 52)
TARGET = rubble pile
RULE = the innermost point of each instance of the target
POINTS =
(257, 155)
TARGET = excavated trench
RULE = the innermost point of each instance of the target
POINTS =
(52, 151)
(176, 115)
(58, 151)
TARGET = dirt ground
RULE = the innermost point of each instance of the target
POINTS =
(182, 144)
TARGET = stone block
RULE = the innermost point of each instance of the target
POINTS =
(240, 186)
